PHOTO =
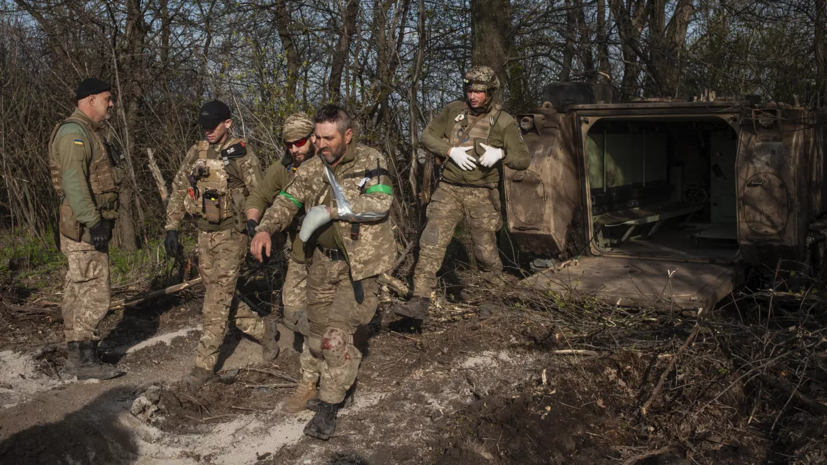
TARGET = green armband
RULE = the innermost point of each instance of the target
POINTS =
(292, 199)
(380, 188)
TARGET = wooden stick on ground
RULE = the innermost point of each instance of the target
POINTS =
(155, 294)
(655, 392)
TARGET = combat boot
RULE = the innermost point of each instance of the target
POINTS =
(269, 342)
(200, 376)
(85, 363)
(499, 279)
(323, 423)
(416, 308)
(297, 402)
(72, 357)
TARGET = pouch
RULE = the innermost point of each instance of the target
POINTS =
(212, 206)
(478, 148)
(68, 224)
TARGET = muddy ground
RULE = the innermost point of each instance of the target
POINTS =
(535, 381)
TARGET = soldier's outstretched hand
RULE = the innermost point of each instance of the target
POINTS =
(260, 246)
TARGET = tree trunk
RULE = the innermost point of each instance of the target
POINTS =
(821, 51)
(283, 24)
(340, 55)
(568, 50)
(490, 30)
(602, 44)
(629, 16)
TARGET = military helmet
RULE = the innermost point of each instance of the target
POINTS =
(481, 79)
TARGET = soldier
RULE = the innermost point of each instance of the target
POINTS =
(347, 233)
(216, 176)
(86, 181)
(472, 138)
(299, 139)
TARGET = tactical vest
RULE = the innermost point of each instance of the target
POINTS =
(104, 179)
(212, 198)
(472, 134)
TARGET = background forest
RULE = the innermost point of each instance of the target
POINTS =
(393, 63)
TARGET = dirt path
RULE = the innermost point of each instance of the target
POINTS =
(470, 391)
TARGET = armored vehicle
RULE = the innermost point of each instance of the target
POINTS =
(662, 202)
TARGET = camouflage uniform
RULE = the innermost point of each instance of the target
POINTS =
(345, 260)
(470, 194)
(293, 299)
(222, 244)
(87, 182)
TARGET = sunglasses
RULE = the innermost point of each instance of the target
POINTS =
(298, 143)
(475, 81)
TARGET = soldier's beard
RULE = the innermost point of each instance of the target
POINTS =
(331, 157)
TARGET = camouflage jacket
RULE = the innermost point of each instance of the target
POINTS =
(243, 174)
(365, 182)
(439, 136)
(276, 178)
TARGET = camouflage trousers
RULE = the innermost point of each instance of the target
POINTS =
(221, 254)
(294, 297)
(86, 292)
(480, 207)
(329, 355)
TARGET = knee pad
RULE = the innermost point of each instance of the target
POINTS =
(314, 345)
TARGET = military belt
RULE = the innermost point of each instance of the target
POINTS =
(334, 254)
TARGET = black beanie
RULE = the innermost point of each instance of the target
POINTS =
(92, 86)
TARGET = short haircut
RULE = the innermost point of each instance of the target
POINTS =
(334, 114)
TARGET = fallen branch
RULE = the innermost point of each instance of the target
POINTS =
(155, 294)
(394, 284)
(655, 392)
(272, 373)
(273, 386)
(575, 352)
(813, 405)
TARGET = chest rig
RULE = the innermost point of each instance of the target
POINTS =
(210, 195)
(471, 131)
(103, 178)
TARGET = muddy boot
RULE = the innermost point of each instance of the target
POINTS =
(72, 357)
(199, 376)
(496, 279)
(323, 423)
(269, 342)
(88, 364)
(297, 402)
(416, 308)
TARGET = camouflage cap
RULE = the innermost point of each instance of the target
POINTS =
(481, 79)
(296, 126)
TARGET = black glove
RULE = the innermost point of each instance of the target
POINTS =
(251, 227)
(99, 234)
(171, 243)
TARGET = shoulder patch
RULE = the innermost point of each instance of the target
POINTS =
(235, 150)
(78, 142)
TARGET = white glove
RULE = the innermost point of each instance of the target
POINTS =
(491, 156)
(461, 158)
(316, 217)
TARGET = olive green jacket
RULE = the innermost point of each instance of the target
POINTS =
(504, 135)
(276, 178)
(364, 179)
(74, 151)
(244, 171)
